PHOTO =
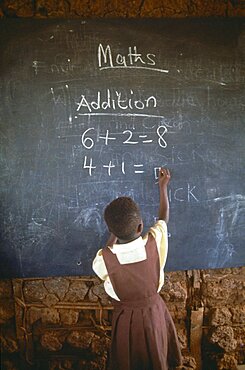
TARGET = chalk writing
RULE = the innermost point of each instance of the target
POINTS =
(90, 167)
(88, 164)
(88, 142)
(114, 101)
(133, 59)
(183, 194)
(64, 67)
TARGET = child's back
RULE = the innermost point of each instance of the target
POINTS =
(143, 333)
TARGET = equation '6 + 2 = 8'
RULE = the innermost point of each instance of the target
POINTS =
(128, 137)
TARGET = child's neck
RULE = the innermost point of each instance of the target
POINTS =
(122, 241)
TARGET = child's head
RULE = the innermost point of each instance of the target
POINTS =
(123, 218)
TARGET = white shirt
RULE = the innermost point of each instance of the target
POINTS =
(134, 252)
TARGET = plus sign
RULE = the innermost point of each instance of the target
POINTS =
(106, 137)
(109, 166)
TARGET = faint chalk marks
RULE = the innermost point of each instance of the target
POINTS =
(89, 218)
(38, 221)
(39, 236)
(229, 228)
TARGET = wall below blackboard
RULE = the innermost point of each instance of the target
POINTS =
(123, 9)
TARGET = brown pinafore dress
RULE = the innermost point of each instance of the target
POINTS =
(143, 332)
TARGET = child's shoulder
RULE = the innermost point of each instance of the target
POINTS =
(159, 224)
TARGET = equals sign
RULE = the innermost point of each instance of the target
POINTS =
(137, 166)
(145, 141)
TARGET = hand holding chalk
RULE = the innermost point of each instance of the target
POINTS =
(163, 177)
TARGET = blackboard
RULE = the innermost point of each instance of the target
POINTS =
(91, 108)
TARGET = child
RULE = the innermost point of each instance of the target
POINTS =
(143, 333)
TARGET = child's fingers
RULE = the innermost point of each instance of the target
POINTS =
(164, 172)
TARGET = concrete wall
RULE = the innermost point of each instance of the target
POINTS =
(64, 323)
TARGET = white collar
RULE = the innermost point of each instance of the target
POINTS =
(128, 247)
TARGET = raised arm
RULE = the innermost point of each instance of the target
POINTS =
(164, 177)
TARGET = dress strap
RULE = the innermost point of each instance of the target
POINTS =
(151, 247)
(110, 259)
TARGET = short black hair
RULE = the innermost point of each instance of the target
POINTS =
(123, 217)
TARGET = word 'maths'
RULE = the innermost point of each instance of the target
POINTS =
(132, 58)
